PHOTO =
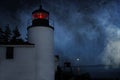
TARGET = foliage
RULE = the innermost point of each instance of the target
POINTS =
(10, 37)
(16, 33)
(1, 36)
(7, 34)
(15, 36)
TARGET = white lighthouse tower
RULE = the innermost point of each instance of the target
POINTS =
(41, 34)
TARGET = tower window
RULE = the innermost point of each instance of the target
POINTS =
(9, 53)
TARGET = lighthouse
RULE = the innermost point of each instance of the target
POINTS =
(41, 34)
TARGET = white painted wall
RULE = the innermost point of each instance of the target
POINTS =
(42, 37)
(22, 67)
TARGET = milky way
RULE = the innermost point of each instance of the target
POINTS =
(85, 29)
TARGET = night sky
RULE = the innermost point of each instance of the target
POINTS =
(84, 29)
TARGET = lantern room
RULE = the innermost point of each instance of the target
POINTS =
(40, 17)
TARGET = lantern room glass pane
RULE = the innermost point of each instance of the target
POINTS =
(40, 16)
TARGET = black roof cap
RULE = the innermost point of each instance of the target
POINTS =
(40, 10)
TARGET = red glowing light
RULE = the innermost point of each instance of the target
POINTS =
(40, 16)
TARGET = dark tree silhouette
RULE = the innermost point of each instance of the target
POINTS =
(16, 36)
(16, 33)
(7, 34)
(1, 36)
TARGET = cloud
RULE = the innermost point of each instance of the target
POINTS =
(111, 54)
